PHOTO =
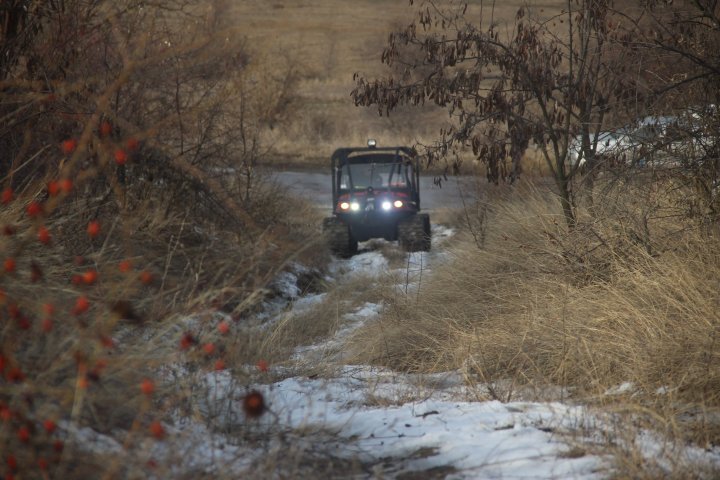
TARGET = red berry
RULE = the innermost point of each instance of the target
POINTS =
(23, 434)
(132, 144)
(10, 265)
(262, 365)
(219, 364)
(49, 309)
(147, 386)
(254, 404)
(125, 266)
(146, 277)
(90, 277)
(187, 341)
(105, 129)
(93, 228)
(24, 323)
(209, 348)
(7, 196)
(8, 230)
(11, 462)
(49, 425)
(15, 375)
(53, 188)
(223, 327)
(157, 430)
(106, 341)
(44, 235)
(69, 146)
(34, 209)
(120, 156)
(66, 185)
(76, 279)
(42, 463)
(82, 304)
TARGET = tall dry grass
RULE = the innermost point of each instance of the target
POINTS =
(629, 296)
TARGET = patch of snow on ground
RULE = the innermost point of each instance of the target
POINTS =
(306, 302)
(622, 389)
(372, 264)
(479, 439)
(441, 232)
(285, 283)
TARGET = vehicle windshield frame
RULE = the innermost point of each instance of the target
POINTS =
(396, 173)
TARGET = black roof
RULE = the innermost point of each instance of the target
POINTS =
(372, 154)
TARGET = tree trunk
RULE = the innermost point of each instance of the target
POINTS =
(563, 185)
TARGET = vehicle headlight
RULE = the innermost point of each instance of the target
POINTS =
(398, 203)
(386, 205)
(354, 206)
(344, 205)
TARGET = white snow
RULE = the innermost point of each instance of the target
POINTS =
(622, 389)
(371, 264)
(479, 439)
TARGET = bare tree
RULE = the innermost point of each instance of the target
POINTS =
(548, 80)
(684, 38)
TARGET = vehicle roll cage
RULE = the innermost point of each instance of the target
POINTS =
(402, 155)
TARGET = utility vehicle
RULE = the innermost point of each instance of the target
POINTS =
(375, 194)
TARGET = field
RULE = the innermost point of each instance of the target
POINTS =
(169, 310)
(328, 42)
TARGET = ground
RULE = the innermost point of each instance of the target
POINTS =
(327, 415)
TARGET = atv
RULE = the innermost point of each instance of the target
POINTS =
(375, 194)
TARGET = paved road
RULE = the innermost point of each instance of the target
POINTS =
(317, 187)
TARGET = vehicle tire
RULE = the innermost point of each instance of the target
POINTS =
(338, 238)
(414, 233)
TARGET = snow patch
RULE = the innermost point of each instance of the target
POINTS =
(441, 232)
(286, 285)
(485, 439)
(622, 389)
(371, 264)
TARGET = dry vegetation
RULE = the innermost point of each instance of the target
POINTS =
(127, 246)
(137, 234)
(628, 296)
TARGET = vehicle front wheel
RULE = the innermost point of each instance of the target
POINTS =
(338, 238)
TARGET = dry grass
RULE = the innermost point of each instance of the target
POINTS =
(629, 296)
